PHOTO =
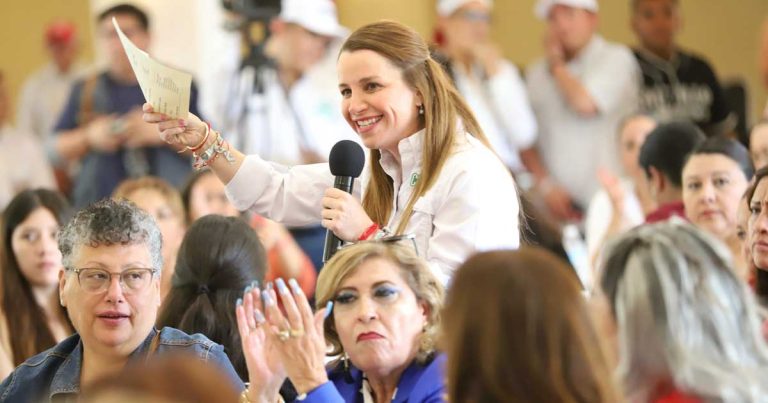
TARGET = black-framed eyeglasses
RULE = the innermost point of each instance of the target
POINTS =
(98, 280)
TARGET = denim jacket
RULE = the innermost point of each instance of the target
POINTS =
(54, 375)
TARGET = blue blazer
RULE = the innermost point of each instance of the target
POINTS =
(420, 383)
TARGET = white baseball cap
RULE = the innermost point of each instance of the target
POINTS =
(318, 16)
(543, 6)
(448, 7)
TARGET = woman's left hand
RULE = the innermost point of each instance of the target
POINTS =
(297, 335)
(344, 215)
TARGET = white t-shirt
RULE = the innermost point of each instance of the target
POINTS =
(500, 104)
(472, 206)
(23, 164)
(574, 147)
(43, 98)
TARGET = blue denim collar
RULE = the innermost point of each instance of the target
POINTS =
(67, 378)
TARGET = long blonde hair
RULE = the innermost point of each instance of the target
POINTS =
(443, 109)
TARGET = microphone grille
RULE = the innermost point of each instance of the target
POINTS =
(346, 159)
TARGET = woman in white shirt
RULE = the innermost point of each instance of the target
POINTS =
(430, 170)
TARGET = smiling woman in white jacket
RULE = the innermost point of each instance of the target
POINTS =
(430, 170)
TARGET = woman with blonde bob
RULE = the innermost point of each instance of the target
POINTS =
(430, 170)
(516, 328)
(381, 311)
(687, 327)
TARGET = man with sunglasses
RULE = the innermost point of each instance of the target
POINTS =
(111, 289)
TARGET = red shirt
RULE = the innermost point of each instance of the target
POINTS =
(677, 397)
(666, 211)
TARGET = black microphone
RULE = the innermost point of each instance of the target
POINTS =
(346, 161)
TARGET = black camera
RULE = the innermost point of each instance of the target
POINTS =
(253, 10)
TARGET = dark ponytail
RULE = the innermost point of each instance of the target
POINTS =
(218, 258)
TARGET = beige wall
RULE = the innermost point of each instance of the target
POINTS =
(725, 31)
(22, 24)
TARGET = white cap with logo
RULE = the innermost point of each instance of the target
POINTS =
(448, 7)
(543, 6)
(318, 16)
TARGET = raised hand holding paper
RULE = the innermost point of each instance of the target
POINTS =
(166, 88)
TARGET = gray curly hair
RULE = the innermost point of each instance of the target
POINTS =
(110, 222)
(683, 314)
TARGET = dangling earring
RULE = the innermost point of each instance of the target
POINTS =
(347, 372)
(421, 109)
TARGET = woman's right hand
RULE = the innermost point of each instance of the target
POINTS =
(187, 132)
(265, 369)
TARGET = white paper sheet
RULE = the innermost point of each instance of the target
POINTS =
(166, 88)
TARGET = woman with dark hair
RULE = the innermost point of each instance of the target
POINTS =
(203, 194)
(757, 233)
(219, 258)
(31, 318)
(516, 328)
(715, 177)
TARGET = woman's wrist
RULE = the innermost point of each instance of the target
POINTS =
(305, 386)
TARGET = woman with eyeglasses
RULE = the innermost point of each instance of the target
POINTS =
(31, 318)
(430, 172)
(112, 254)
(380, 314)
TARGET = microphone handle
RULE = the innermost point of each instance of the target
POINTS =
(332, 242)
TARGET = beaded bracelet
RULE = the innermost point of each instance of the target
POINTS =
(206, 158)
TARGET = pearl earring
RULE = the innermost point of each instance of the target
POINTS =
(421, 109)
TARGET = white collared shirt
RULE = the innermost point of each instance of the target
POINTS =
(473, 205)
(573, 147)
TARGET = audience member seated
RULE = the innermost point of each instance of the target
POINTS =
(715, 178)
(742, 233)
(31, 318)
(112, 257)
(490, 84)
(165, 379)
(163, 202)
(686, 327)
(757, 232)
(516, 328)
(381, 313)
(101, 127)
(204, 194)
(623, 202)
(579, 92)
(23, 164)
(676, 84)
(662, 157)
(758, 144)
(219, 258)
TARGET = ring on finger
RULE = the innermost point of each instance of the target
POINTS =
(296, 332)
(284, 335)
